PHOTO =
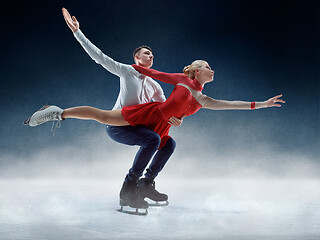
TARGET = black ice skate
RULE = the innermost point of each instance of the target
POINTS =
(147, 189)
(129, 196)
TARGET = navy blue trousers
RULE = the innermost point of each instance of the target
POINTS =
(149, 142)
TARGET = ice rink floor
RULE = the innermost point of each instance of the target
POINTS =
(199, 209)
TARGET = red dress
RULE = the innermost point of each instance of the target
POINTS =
(155, 115)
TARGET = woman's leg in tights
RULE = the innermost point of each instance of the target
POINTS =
(112, 117)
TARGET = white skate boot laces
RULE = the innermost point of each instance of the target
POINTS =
(47, 117)
(27, 122)
(46, 114)
(56, 124)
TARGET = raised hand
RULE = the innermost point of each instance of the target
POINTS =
(72, 23)
(272, 102)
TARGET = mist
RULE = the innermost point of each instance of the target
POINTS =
(201, 152)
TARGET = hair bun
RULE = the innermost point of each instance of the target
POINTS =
(186, 70)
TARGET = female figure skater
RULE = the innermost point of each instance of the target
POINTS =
(186, 99)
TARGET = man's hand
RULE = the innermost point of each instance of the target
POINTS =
(176, 122)
(72, 23)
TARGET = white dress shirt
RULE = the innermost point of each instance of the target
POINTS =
(135, 88)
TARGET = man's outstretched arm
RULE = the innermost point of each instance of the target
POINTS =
(95, 53)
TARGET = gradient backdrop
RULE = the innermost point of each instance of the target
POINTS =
(258, 49)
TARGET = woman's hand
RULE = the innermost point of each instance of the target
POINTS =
(72, 23)
(176, 122)
(272, 102)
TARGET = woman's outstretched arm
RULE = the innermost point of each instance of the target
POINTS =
(210, 103)
(172, 78)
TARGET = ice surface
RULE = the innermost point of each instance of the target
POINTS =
(209, 208)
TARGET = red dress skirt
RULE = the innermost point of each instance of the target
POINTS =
(149, 115)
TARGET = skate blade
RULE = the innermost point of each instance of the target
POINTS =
(26, 122)
(137, 213)
(159, 204)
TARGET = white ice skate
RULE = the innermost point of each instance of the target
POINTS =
(45, 114)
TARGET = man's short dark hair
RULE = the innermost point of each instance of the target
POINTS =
(139, 48)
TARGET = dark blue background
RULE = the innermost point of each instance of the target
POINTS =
(258, 49)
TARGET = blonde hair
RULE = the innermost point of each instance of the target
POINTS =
(190, 69)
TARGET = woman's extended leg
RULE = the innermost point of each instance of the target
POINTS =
(54, 113)
(112, 117)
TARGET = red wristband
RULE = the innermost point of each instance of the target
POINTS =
(253, 105)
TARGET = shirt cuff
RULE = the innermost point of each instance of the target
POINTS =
(77, 33)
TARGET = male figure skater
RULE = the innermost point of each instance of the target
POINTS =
(135, 88)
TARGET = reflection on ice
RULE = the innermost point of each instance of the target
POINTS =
(199, 209)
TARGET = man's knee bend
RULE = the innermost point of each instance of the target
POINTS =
(170, 145)
(152, 141)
